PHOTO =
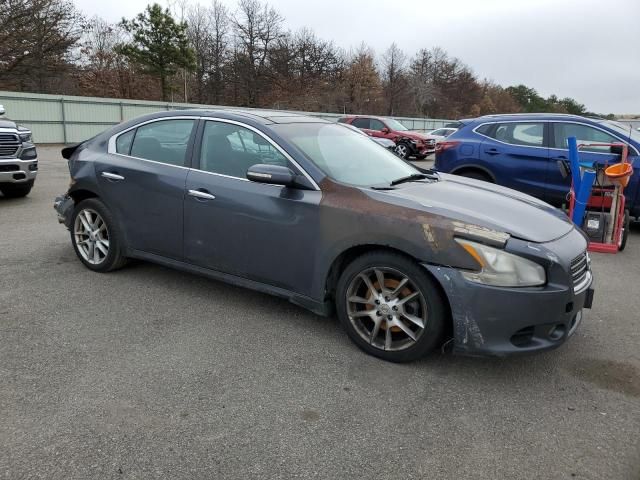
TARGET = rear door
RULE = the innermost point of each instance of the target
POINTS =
(557, 186)
(517, 155)
(142, 181)
(375, 128)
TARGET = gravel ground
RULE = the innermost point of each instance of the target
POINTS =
(154, 373)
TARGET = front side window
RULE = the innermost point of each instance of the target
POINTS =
(230, 149)
(528, 134)
(163, 141)
(344, 155)
(376, 125)
(584, 134)
(361, 123)
(395, 125)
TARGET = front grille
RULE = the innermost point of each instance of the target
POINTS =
(9, 168)
(430, 142)
(9, 144)
(579, 268)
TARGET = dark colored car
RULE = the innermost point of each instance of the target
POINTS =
(408, 143)
(522, 151)
(313, 212)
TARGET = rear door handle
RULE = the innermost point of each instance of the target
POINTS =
(202, 194)
(112, 176)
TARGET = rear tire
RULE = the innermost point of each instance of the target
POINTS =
(401, 322)
(16, 190)
(476, 175)
(96, 237)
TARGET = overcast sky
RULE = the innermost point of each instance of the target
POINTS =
(585, 49)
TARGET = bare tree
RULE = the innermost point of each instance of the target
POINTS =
(36, 40)
(393, 77)
(218, 48)
(257, 28)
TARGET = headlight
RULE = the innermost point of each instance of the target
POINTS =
(25, 136)
(501, 269)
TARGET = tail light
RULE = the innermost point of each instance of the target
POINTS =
(442, 146)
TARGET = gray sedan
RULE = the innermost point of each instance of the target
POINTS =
(310, 211)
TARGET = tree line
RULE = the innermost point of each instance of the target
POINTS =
(242, 57)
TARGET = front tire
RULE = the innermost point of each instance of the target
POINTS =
(402, 150)
(16, 190)
(96, 238)
(390, 307)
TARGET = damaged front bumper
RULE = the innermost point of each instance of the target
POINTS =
(63, 205)
(502, 321)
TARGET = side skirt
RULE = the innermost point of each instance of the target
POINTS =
(319, 308)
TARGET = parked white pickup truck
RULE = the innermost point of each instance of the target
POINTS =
(18, 158)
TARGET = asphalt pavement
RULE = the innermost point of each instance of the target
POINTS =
(153, 373)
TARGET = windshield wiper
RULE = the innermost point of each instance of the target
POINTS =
(412, 178)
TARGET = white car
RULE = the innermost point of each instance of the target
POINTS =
(440, 134)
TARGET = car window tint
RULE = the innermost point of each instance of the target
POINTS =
(376, 124)
(361, 123)
(484, 129)
(123, 142)
(163, 141)
(584, 134)
(230, 149)
(440, 132)
(527, 134)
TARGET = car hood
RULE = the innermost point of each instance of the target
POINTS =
(6, 123)
(487, 205)
(414, 135)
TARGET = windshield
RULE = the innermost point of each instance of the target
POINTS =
(623, 130)
(394, 124)
(344, 155)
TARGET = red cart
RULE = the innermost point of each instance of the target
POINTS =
(606, 203)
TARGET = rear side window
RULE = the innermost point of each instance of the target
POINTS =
(361, 123)
(123, 142)
(164, 141)
(529, 134)
(485, 129)
(584, 134)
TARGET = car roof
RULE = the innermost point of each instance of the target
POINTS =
(264, 117)
(534, 116)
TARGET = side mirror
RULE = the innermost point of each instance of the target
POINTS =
(2, 110)
(385, 130)
(274, 174)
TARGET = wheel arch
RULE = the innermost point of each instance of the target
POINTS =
(469, 167)
(348, 255)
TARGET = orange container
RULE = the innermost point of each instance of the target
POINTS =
(619, 173)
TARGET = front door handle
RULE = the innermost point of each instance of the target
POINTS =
(492, 151)
(202, 194)
(112, 176)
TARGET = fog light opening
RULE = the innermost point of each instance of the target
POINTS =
(556, 332)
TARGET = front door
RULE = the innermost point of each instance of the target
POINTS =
(516, 154)
(558, 186)
(142, 182)
(254, 230)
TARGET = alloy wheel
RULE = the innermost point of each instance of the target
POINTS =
(402, 151)
(91, 236)
(386, 308)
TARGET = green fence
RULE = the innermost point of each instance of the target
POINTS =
(69, 119)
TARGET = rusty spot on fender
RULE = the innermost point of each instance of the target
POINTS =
(481, 233)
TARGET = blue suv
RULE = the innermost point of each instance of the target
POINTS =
(521, 151)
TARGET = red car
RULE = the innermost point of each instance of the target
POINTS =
(408, 143)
